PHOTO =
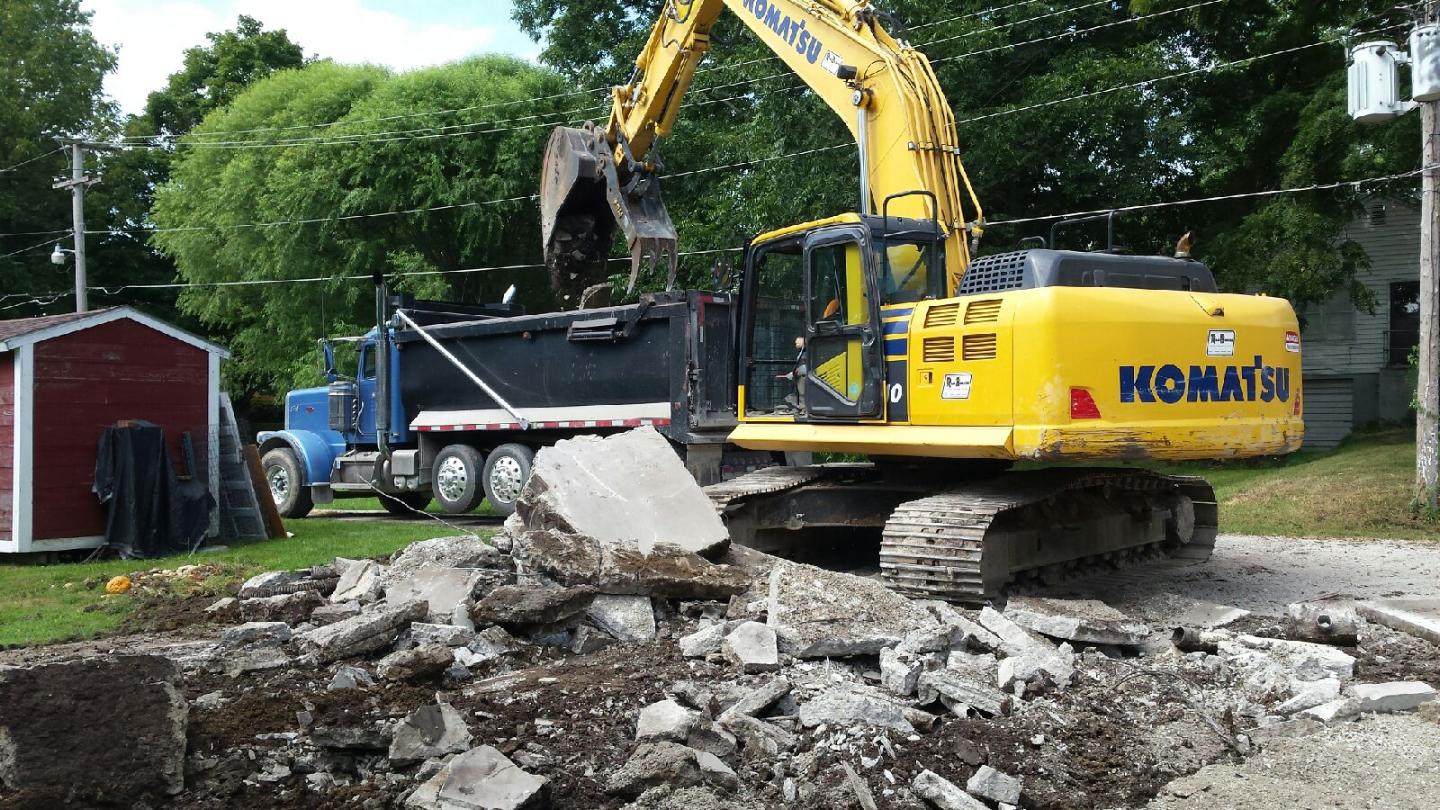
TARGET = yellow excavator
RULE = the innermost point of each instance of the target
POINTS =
(880, 333)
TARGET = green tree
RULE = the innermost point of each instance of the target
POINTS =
(51, 68)
(1269, 123)
(329, 142)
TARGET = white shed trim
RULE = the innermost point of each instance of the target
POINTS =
(23, 496)
(106, 316)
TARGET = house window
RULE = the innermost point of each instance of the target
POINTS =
(1330, 322)
(1404, 332)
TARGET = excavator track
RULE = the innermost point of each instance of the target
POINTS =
(761, 482)
(978, 540)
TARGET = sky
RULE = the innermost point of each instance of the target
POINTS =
(152, 35)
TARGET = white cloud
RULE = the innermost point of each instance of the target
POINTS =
(152, 36)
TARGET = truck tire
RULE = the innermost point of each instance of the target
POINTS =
(507, 468)
(458, 469)
(287, 483)
(406, 504)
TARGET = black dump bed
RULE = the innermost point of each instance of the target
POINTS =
(671, 348)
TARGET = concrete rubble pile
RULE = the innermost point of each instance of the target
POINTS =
(608, 649)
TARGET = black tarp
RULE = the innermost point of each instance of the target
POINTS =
(151, 511)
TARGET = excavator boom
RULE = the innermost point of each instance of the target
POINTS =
(597, 179)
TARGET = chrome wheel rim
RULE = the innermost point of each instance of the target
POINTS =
(506, 479)
(452, 478)
(279, 480)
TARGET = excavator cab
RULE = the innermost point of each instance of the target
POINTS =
(818, 300)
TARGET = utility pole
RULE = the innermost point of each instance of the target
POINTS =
(1427, 393)
(79, 181)
(1374, 98)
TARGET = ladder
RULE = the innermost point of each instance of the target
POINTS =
(240, 516)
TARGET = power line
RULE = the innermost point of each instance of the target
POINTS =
(33, 159)
(41, 243)
(1221, 197)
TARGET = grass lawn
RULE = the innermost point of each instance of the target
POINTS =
(1360, 489)
(44, 603)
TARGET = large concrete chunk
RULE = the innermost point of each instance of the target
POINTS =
(1304, 660)
(988, 783)
(291, 608)
(360, 581)
(480, 779)
(943, 793)
(439, 587)
(828, 613)
(754, 647)
(666, 720)
(465, 551)
(666, 570)
(1418, 617)
(958, 688)
(98, 730)
(1397, 696)
(513, 606)
(413, 664)
(433, 730)
(625, 618)
(854, 706)
(1083, 620)
(630, 490)
(654, 764)
(360, 634)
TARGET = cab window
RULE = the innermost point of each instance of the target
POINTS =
(367, 362)
(777, 330)
(911, 271)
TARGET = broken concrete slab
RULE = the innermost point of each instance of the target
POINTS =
(959, 688)
(254, 658)
(106, 730)
(447, 634)
(1087, 621)
(713, 771)
(1396, 696)
(833, 614)
(712, 738)
(350, 677)
(706, 640)
(854, 705)
(1014, 639)
(1038, 668)
(1305, 660)
(1309, 694)
(332, 613)
(975, 635)
(1340, 709)
(756, 735)
(1418, 617)
(424, 661)
(274, 633)
(900, 671)
(753, 646)
(759, 699)
(1202, 615)
(988, 783)
(943, 793)
(494, 641)
(629, 490)
(653, 764)
(432, 730)
(587, 639)
(1323, 623)
(439, 587)
(667, 571)
(665, 720)
(464, 551)
(360, 581)
(514, 606)
(624, 617)
(271, 583)
(480, 779)
(290, 608)
(360, 634)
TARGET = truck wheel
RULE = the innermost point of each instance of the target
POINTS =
(406, 504)
(457, 479)
(507, 468)
(287, 484)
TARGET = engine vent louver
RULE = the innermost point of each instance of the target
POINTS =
(939, 349)
(986, 311)
(942, 315)
(979, 347)
(988, 274)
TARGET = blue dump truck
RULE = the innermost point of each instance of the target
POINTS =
(450, 402)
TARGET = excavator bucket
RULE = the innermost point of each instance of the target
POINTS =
(582, 199)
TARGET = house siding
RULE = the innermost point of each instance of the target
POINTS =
(7, 444)
(1379, 392)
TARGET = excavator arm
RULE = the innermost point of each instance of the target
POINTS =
(597, 178)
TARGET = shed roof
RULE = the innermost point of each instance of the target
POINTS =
(25, 331)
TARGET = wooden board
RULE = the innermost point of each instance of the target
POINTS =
(274, 525)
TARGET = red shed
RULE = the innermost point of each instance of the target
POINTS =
(63, 380)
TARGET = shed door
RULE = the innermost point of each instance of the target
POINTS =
(1329, 411)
